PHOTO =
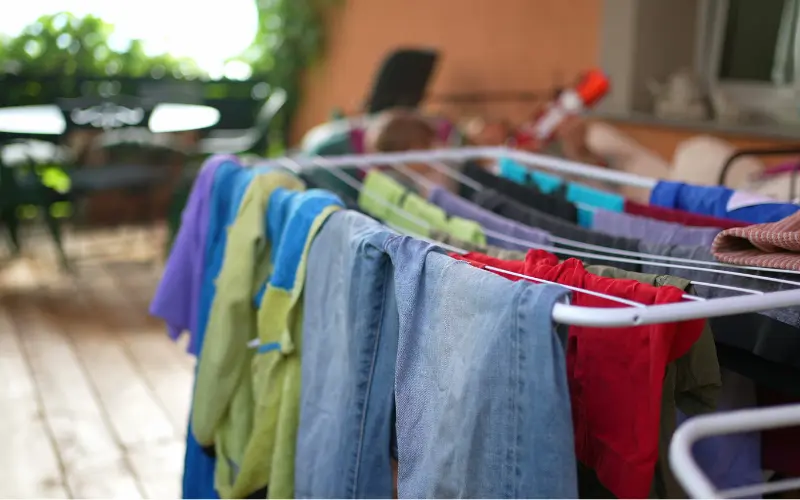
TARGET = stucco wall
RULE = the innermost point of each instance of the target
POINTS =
(485, 45)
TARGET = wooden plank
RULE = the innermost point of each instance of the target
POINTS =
(159, 469)
(94, 463)
(167, 369)
(135, 416)
(29, 466)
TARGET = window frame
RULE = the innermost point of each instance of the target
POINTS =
(779, 102)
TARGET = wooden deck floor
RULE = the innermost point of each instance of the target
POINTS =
(93, 395)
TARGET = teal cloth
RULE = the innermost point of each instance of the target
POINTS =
(585, 197)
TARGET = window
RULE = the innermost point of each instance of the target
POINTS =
(750, 54)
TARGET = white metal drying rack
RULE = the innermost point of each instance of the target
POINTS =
(688, 472)
(570, 314)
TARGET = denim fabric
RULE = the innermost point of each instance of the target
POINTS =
(349, 346)
(483, 407)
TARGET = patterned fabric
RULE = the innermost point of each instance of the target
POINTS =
(775, 245)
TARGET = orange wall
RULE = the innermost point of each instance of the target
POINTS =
(485, 45)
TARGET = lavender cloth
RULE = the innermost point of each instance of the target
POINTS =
(652, 231)
(178, 294)
(454, 205)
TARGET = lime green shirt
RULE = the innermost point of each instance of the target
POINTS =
(269, 457)
(223, 406)
(382, 196)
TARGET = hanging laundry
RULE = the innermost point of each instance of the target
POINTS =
(191, 266)
(455, 206)
(574, 192)
(651, 230)
(293, 220)
(349, 349)
(691, 383)
(720, 201)
(452, 375)
(611, 374)
(186, 261)
(222, 409)
(385, 198)
(775, 245)
(680, 216)
(529, 194)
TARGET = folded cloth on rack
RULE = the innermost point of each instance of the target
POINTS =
(691, 384)
(680, 216)
(612, 223)
(651, 230)
(770, 333)
(615, 375)
(521, 237)
(720, 201)
(528, 194)
(385, 198)
(293, 220)
(574, 192)
(775, 245)
(222, 410)
(510, 210)
(479, 396)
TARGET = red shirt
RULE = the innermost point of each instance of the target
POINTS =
(680, 216)
(615, 374)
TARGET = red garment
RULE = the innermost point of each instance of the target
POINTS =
(615, 374)
(680, 216)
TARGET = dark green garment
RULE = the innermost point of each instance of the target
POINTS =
(691, 383)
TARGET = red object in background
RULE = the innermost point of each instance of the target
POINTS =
(592, 87)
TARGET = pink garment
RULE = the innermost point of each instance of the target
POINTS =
(783, 168)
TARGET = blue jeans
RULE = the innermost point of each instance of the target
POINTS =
(349, 347)
(478, 372)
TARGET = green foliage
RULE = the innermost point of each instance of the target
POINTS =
(290, 39)
(65, 45)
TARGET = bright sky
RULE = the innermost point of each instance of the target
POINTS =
(207, 31)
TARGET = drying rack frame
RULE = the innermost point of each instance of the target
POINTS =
(568, 314)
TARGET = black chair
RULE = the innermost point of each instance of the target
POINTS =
(402, 79)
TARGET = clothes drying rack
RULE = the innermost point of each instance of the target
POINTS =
(568, 314)
(686, 469)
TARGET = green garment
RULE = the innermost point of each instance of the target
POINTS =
(691, 383)
(382, 196)
(223, 406)
(269, 457)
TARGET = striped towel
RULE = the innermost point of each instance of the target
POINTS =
(775, 245)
